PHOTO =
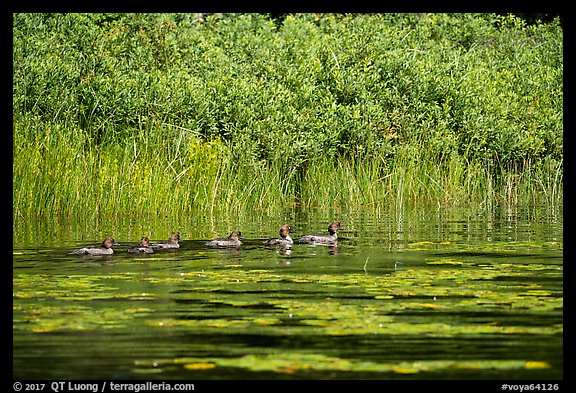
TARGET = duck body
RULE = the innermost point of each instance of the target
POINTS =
(323, 240)
(284, 240)
(287, 241)
(330, 239)
(231, 241)
(103, 249)
(142, 248)
(172, 242)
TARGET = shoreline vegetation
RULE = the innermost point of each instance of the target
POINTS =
(167, 114)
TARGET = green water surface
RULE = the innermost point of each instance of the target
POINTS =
(421, 296)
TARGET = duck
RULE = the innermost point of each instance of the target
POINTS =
(142, 248)
(103, 249)
(172, 242)
(284, 240)
(324, 240)
(231, 241)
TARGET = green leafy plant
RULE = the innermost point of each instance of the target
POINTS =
(138, 113)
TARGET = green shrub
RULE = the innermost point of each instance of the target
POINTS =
(140, 113)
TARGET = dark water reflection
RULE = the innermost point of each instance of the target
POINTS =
(443, 295)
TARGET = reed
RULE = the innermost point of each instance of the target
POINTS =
(140, 181)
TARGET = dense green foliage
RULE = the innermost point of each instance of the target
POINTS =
(166, 113)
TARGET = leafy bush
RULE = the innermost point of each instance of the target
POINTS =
(285, 100)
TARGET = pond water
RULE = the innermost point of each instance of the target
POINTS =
(419, 295)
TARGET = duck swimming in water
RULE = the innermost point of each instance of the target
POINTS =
(172, 242)
(324, 240)
(103, 249)
(231, 241)
(142, 248)
(284, 240)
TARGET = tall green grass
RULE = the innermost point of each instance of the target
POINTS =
(161, 114)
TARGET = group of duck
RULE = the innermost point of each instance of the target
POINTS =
(232, 241)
